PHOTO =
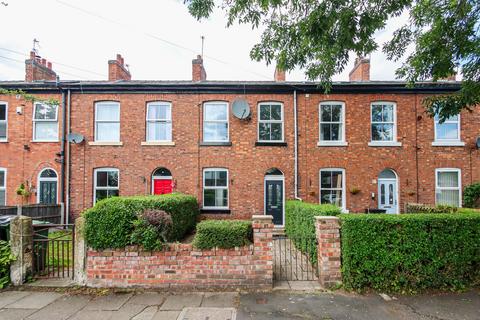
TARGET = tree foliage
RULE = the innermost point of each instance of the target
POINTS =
(319, 35)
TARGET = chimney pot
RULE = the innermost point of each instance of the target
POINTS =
(198, 70)
(49, 65)
(44, 62)
(32, 54)
(36, 68)
(361, 70)
(117, 70)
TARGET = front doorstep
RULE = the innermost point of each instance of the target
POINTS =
(278, 231)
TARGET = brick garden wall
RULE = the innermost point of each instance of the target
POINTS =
(180, 265)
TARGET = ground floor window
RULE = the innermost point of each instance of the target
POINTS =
(448, 187)
(215, 188)
(106, 183)
(332, 184)
(3, 187)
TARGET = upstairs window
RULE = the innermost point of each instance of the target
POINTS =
(3, 121)
(3, 187)
(45, 122)
(383, 122)
(448, 187)
(215, 122)
(107, 122)
(106, 183)
(270, 122)
(449, 130)
(332, 122)
(159, 122)
(215, 189)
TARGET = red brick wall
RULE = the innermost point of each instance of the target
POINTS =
(24, 165)
(183, 266)
(246, 162)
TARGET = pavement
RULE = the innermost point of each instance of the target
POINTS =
(280, 304)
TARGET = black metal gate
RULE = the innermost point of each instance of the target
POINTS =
(295, 258)
(53, 250)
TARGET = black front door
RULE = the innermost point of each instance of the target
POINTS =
(48, 192)
(274, 200)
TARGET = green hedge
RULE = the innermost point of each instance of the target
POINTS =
(223, 234)
(409, 253)
(300, 224)
(110, 223)
(471, 195)
(6, 258)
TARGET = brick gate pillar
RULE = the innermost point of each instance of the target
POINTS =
(262, 226)
(21, 244)
(329, 250)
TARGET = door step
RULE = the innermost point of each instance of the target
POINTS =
(279, 231)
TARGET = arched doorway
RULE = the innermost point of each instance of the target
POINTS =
(162, 181)
(47, 186)
(274, 194)
(388, 191)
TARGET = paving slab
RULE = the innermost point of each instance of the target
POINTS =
(147, 314)
(166, 315)
(180, 301)
(111, 302)
(52, 283)
(127, 312)
(9, 297)
(92, 315)
(148, 299)
(61, 308)
(35, 300)
(220, 299)
(208, 313)
(281, 285)
(304, 285)
(15, 314)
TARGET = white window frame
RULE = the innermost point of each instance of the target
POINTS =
(95, 188)
(344, 194)
(459, 188)
(108, 121)
(447, 142)
(4, 188)
(216, 121)
(153, 121)
(215, 188)
(281, 121)
(391, 143)
(35, 121)
(326, 143)
(5, 121)
(40, 179)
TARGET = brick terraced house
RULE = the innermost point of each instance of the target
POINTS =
(241, 147)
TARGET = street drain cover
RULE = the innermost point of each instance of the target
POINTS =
(208, 314)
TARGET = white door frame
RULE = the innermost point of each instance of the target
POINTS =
(397, 191)
(274, 178)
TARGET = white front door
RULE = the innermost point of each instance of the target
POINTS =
(387, 195)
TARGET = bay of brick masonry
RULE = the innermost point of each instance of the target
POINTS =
(329, 251)
(182, 266)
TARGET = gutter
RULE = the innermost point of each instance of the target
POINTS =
(295, 125)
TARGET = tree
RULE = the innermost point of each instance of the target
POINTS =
(318, 35)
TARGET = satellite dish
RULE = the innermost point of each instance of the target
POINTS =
(75, 138)
(241, 109)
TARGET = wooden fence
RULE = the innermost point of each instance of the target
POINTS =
(42, 212)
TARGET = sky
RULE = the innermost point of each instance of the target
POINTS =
(157, 38)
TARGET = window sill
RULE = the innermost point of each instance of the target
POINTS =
(448, 144)
(215, 211)
(332, 144)
(213, 144)
(270, 144)
(104, 143)
(384, 144)
(44, 141)
(3, 141)
(158, 143)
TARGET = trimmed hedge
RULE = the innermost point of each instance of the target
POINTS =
(223, 234)
(110, 223)
(471, 195)
(409, 253)
(300, 224)
(6, 258)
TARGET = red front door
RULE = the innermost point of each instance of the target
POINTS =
(162, 186)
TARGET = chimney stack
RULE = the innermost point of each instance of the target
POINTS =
(38, 69)
(361, 70)
(117, 70)
(279, 75)
(198, 71)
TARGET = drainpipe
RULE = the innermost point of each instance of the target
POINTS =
(62, 152)
(67, 206)
(295, 144)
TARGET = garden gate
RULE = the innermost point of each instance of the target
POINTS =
(295, 258)
(53, 250)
